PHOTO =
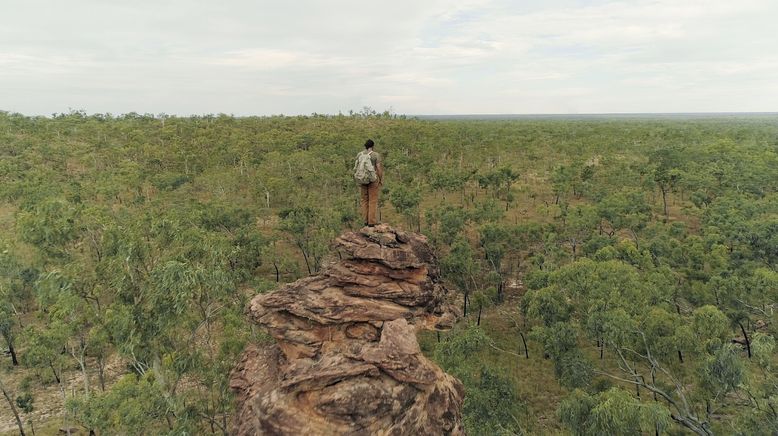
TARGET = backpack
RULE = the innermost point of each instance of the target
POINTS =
(364, 171)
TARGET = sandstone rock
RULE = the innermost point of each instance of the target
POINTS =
(346, 360)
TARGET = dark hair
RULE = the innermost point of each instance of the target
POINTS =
(369, 143)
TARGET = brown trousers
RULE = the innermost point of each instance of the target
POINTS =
(368, 202)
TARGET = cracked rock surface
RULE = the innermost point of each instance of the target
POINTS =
(346, 360)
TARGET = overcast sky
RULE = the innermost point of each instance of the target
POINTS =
(416, 57)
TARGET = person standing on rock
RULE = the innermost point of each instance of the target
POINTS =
(369, 174)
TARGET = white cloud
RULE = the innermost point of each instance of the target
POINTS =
(476, 56)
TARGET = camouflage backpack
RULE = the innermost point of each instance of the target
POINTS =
(364, 171)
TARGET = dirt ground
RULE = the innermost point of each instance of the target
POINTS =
(48, 413)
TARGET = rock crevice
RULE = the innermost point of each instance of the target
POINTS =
(346, 359)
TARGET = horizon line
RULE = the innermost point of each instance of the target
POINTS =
(410, 115)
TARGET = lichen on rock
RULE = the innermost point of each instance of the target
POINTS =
(346, 360)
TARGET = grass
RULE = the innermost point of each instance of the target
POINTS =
(49, 428)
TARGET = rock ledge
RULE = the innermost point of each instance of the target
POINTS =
(346, 360)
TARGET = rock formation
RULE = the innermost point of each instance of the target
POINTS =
(346, 360)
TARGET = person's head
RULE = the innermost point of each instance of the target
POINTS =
(369, 143)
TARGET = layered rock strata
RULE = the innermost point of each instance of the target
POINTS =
(346, 360)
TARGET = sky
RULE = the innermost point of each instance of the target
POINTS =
(410, 57)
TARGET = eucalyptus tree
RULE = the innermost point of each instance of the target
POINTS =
(579, 225)
(134, 406)
(561, 181)
(447, 223)
(406, 201)
(643, 362)
(311, 230)
(526, 238)
(758, 415)
(666, 164)
(11, 296)
(446, 180)
(625, 210)
(461, 267)
(614, 411)
(500, 182)
(8, 326)
(494, 241)
(491, 404)
(8, 396)
(50, 226)
(170, 285)
(616, 307)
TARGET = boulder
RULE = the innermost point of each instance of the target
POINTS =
(346, 360)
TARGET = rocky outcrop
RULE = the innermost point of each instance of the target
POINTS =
(346, 359)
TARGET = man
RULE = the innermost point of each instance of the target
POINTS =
(369, 173)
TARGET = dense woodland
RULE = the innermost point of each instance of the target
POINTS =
(619, 276)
